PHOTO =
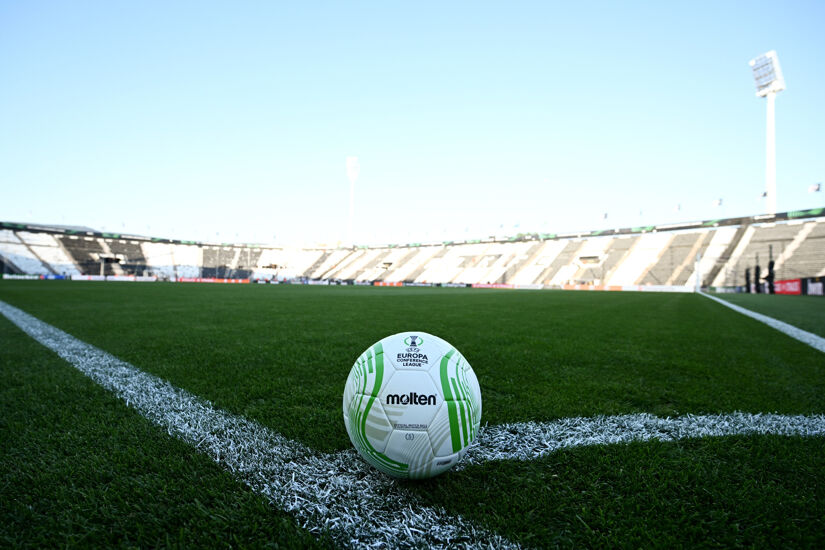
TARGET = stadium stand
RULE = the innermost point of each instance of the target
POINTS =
(160, 260)
(55, 257)
(8, 236)
(619, 248)
(346, 268)
(641, 257)
(295, 262)
(589, 260)
(21, 258)
(526, 271)
(15, 256)
(675, 254)
(7, 267)
(187, 259)
(418, 264)
(41, 239)
(730, 248)
(130, 253)
(563, 259)
(86, 253)
(698, 249)
(473, 264)
(445, 265)
(411, 263)
(372, 267)
(316, 266)
(470, 264)
(806, 255)
(765, 243)
(712, 251)
(393, 261)
(663, 256)
(509, 262)
(328, 264)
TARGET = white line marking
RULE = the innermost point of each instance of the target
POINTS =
(815, 341)
(337, 492)
(531, 440)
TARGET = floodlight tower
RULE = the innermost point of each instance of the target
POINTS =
(769, 81)
(353, 169)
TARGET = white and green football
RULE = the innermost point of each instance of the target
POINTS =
(412, 405)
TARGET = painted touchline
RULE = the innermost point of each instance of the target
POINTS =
(532, 440)
(815, 341)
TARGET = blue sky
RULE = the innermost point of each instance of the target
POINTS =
(232, 121)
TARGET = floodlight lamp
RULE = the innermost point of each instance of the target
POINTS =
(767, 73)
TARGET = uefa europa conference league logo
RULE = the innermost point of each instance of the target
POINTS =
(413, 341)
(413, 356)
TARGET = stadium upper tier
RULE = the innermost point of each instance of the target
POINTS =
(656, 255)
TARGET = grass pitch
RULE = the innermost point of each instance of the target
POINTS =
(280, 356)
(805, 312)
(79, 469)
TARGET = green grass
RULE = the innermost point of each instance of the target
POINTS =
(764, 491)
(280, 355)
(805, 312)
(79, 468)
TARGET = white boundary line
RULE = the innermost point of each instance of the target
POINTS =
(532, 440)
(815, 341)
(338, 493)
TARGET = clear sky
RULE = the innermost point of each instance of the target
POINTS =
(232, 121)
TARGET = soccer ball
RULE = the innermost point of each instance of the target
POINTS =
(412, 405)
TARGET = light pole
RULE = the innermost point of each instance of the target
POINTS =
(768, 76)
(353, 169)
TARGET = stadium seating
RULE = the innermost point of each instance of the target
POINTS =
(348, 268)
(713, 248)
(316, 265)
(758, 245)
(160, 260)
(86, 253)
(505, 260)
(807, 257)
(57, 259)
(41, 254)
(619, 248)
(42, 239)
(22, 258)
(641, 257)
(675, 255)
(538, 258)
(589, 260)
(288, 263)
(372, 266)
(8, 236)
(328, 264)
(394, 259)
(664, 257)
(132, 260)
(412, 263)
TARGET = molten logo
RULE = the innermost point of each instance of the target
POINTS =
(411, 398)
